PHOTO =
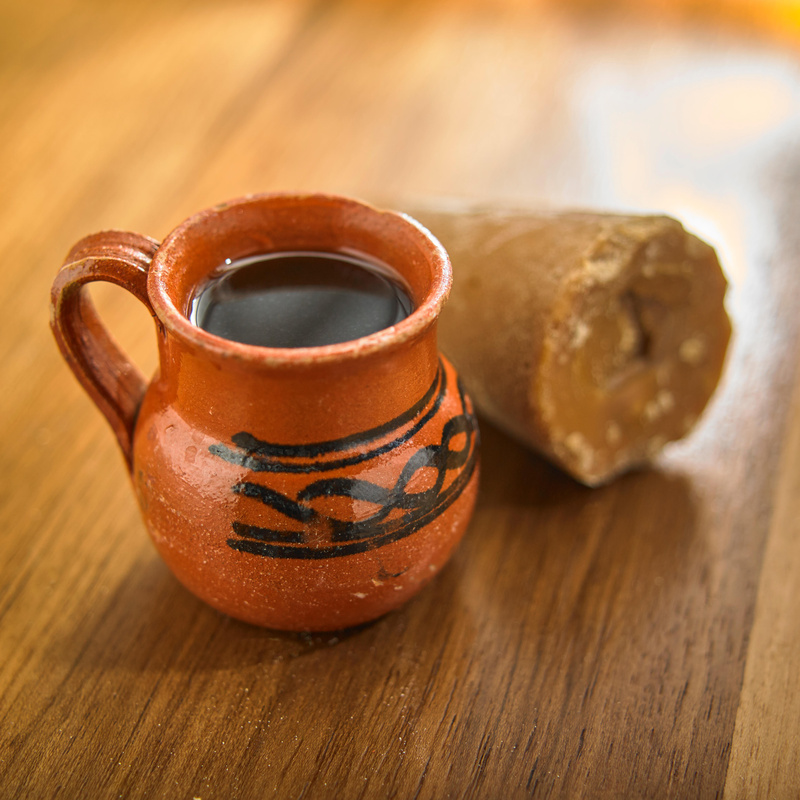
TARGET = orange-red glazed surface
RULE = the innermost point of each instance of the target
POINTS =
(304, 489)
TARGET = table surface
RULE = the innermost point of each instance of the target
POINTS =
(636, 640)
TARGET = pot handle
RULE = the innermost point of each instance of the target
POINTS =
(115, 384)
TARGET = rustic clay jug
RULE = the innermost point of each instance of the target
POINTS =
(303, 489)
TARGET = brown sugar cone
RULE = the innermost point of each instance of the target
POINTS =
(594, 338)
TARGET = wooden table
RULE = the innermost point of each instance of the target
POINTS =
(638, 640)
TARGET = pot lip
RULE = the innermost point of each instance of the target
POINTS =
(412, 327)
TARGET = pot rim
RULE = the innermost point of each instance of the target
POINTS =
(412, 327)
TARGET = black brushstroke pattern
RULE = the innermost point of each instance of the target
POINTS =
(261, 456)
(355, 536)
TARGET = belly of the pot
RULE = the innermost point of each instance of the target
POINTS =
(310, 536)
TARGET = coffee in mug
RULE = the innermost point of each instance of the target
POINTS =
(300, 299)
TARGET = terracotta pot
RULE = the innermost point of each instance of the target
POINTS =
(301, 489)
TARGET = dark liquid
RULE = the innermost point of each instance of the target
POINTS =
(300, 299)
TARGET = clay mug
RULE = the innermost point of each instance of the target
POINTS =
(310, 488)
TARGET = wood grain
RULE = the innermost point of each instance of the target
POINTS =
(635, 640)
(765, 753)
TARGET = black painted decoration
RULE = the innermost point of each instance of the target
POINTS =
(412, 510)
